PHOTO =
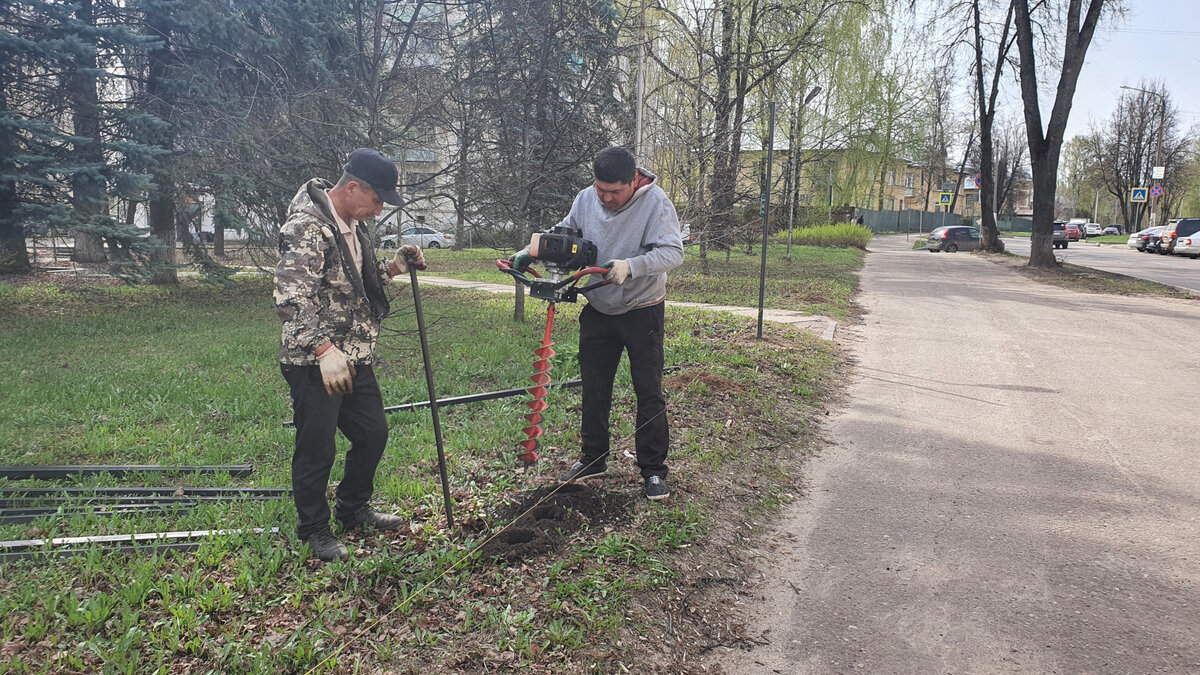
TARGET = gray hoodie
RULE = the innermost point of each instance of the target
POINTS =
(644, 231)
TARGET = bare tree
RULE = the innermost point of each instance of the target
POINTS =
(1046, 139)
(1123, 149)
(986, 93)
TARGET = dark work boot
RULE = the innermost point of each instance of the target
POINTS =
(326, 546)
(583, 469)
(369, 517)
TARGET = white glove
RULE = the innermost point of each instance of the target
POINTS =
(406, 253)
(336, 371)
(619, 273)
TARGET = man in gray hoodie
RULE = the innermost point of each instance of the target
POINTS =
(635, 228)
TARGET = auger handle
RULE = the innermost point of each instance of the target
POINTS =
(603, 269)
(506, 266)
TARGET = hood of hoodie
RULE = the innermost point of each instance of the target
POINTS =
(643, 182)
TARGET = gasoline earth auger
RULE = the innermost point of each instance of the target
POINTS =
(568, 258)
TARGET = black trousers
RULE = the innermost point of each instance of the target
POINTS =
(602, 338)
(317, 417)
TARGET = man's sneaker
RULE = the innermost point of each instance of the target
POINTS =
(584, 469)
(657, 488)
(371, 518)
(326, 546)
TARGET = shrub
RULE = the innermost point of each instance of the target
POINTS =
(842, 235)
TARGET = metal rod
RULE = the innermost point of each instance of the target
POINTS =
(70, 471)
(485, 396)
(433, 405)
(18, 502)
(762, 268)
(21, 516)
(149, 491)
(488, 396)
(132, 543)
(476, 398)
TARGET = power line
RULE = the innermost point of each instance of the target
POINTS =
(1155, 31)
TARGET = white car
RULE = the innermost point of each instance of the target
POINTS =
(1189, 246)
(1093, 229)
(424, 237)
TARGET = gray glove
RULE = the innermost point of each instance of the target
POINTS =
(337, 372)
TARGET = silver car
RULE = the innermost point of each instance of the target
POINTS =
(1188, 245)
(425, 237)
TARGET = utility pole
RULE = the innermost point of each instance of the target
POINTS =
(766, 216)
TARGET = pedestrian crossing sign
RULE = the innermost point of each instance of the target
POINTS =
(945, 198)
(1138, 194)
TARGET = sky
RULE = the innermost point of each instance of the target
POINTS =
(1157, 40)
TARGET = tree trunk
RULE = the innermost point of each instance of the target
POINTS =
(721, 192)
(162, 198)
(87, 187)
(1045, 146)
(990, 239)
(162, 225)
(14, 257)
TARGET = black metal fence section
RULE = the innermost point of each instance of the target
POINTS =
(69, 471)
(151, 542)
(166, 491)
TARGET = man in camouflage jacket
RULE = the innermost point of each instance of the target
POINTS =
(329, 292)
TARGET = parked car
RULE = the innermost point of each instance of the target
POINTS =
(1074, 232)
(1092, 229)
(1175, 229)
(1060, 234)
(953, 238)
(1112, 229)
(1142, 239)
(424, 237)
(1189, 246)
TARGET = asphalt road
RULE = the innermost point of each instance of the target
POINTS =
(1007, 489)
(1172, 270)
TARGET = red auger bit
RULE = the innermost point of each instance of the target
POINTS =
(559, 287)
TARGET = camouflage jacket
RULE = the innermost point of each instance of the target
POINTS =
(318, 293)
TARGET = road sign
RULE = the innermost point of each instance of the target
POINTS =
(978, 180)
(762, 205)
(1156, 191)
(945, 198)
(1159, 173)
(1138, 194)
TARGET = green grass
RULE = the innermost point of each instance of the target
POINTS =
(840, 235)
(816, 280)
(120, 375)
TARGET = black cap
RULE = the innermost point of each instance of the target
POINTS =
(378, 171)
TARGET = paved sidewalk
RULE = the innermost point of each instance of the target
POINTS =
(821, 326)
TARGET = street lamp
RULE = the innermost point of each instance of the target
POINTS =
(1162, 118)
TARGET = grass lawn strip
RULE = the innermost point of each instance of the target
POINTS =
(189, 376)
(816, 280)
